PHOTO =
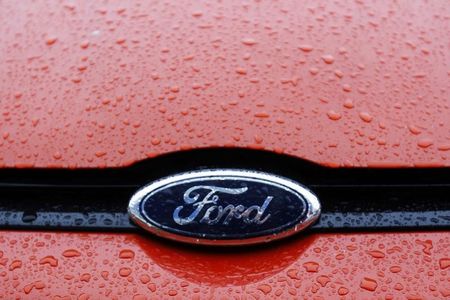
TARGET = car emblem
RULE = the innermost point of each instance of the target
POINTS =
(224, 207)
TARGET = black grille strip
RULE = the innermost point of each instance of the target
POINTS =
(352, 199)
(438, 220)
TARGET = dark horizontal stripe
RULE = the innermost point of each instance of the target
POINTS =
(306, 172)
(352, 199)
(433, 220)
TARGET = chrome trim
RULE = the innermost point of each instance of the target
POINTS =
(312, 214)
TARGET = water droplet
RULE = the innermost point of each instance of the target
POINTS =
(248, 41)
(395, 269)
(366, 117)
(265, 288)
(71, 253)
(306, 48)
(323, 280)
(376, 254)
(332, 115)
(51, 40)
(329, 59)
(241, 71)
(51, 260)
(126, 254)
(124, 272)
(425, 142)
(311, 266)
(15, 264)
(369, 284)
(342, 291)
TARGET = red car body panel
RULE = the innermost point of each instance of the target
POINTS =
(103, 84)
(34, 265)
(91, 84)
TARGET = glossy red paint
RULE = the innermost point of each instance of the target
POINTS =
(343, 83)
(329, 266)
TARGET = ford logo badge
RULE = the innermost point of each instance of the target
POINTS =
(224, 207)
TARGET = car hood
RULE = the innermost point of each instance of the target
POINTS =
(97, 84)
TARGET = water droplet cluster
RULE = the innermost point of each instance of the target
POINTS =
(92, 84)
(96, 266)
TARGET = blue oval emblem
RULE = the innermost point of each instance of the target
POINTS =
(224, 207)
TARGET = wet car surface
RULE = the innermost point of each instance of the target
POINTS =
(326, 266)
(88, 84)
(111, 84)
